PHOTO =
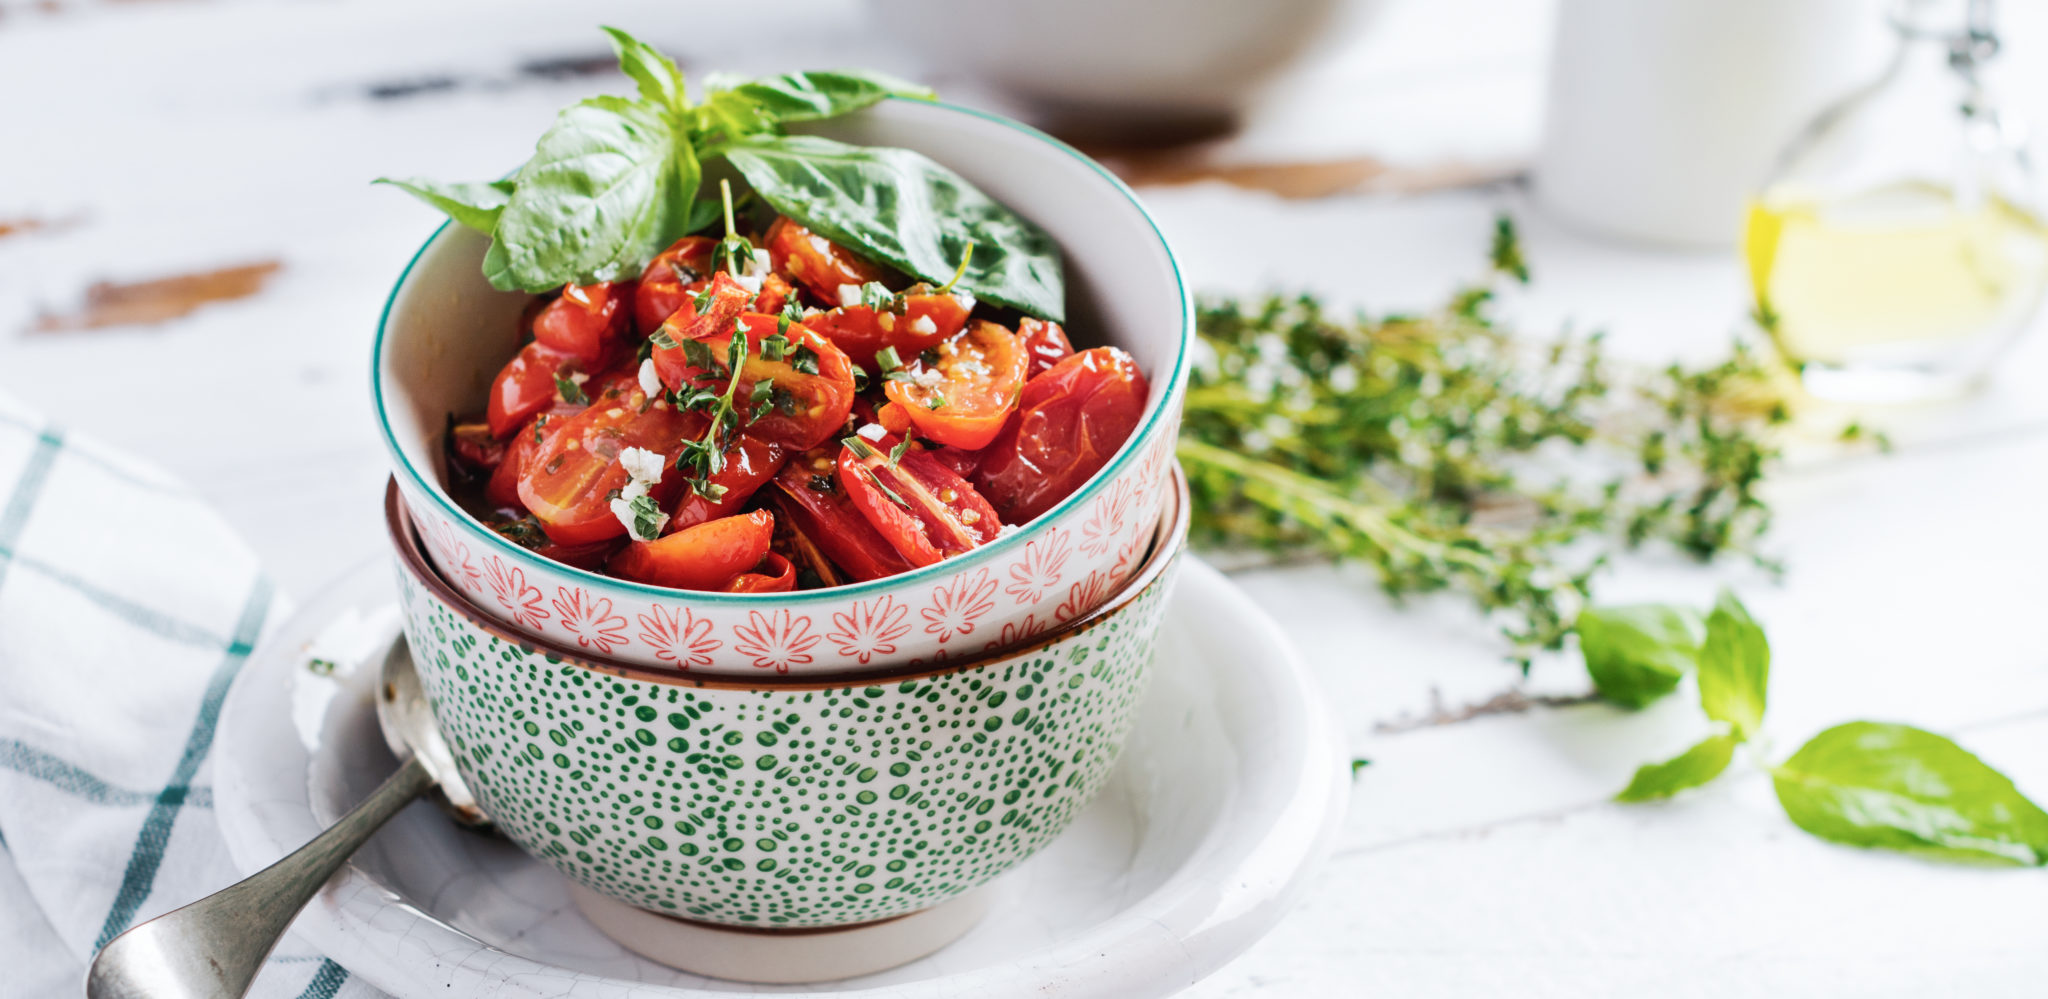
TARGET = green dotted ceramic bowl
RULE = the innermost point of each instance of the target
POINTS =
(784, 801)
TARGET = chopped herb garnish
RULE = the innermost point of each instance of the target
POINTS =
(896, 453)
(647, 517)
(705, 457)
(877, 296)
(860, 446)
(734, 248)
(775, 346)
(860, 378)
(698, 355)
(934, 400)
(928, 356)
(663, 340)
(958, 271)
(570, 392)
(804, 360)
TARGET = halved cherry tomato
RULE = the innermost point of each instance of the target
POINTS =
(894, 418)
(474, 448)
(816, 262)
(963, 397)
(813, 567)
(1045, 343)
(586, 321)
(919, 506)
(809, 390)
(926, 321)
(807, 495)
(670, 279)
(704, 557)
(776, 292)
(672, 364)
(749, 464)
(775, 574)
(1069, 422)
(525, 386)
(569, 483)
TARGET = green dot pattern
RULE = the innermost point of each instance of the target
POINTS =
(784, 807)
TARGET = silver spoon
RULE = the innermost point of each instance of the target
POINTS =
(213, 948)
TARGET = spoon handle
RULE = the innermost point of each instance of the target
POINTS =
(212, 948)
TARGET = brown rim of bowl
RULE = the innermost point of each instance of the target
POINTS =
(1166, 543)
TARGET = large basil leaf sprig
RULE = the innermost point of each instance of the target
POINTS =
(907, 211)
(616, 179)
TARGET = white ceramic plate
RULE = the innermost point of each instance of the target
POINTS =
(1230, 789)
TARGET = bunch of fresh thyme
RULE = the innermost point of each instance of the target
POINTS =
(1448, 454)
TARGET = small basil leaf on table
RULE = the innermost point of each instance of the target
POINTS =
(1637, 653)
(903, 209)
(475, 205)
(655, 74)
(1902, 788)
(1696, 766)
(1735, 667)
(826, 94)
(609, 186)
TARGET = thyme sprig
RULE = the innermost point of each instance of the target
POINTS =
(1449, 454)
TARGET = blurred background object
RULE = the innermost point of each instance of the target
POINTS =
(1662, 117)
(1136, 70)
(1897, 247)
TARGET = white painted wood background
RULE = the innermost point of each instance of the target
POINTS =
(1481, 857)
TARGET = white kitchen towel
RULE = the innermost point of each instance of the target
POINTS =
(126, 608)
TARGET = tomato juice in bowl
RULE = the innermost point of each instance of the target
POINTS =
(446, 332)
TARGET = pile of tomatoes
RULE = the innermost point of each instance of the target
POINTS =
(877, 426)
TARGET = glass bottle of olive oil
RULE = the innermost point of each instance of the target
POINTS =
(1896, 250)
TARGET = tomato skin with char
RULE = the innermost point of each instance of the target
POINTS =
(1069, 422)
(670, 279)
(962, 397)
(586, 322)
(821, 266)
(862, 331)
(706, 557)
(808, 497)
(918, 505)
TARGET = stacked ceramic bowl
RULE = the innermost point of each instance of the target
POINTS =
(819, 758)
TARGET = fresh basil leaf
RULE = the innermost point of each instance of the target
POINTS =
(1901, 788)
(659, 80)
(1735, 667)
(901, 208)
(703, 212)
(1637, 653)
(1696, 766)
(609, 186)
(475, 205)
(820, 94)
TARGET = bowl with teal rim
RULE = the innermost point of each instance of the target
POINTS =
(784, 802)
(445, 332)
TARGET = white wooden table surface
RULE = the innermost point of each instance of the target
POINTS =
(1481, 856)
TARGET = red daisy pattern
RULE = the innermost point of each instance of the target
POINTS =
(1106, 518)
(1018, 632)
(509, 586)
(777, 640)
(1039, 570)
(957, 605)
(680, 638)
(1083, 596)
(589, 618)
(870, 629)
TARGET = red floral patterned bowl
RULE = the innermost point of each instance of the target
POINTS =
(445, 332)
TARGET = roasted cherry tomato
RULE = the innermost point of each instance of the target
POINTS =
(569, 483)
(808, 496)
(587, 321)
(670, 279)
(1045, 343)
(775, 574)
(749, 464)
(816, 262)
(919, 506)
(808, 390)
(704, 557)
(527, 534)
(474, 448)
(962, 396)
(1069, 422)
(525, 386)
(775, 293)
(861, 331)
(672, 363)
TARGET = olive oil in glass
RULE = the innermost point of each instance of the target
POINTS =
(1896, 250)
